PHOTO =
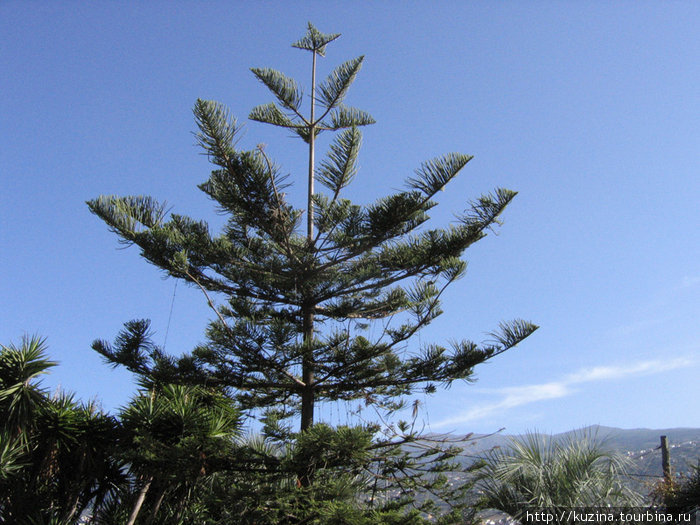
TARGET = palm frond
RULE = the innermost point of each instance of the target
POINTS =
(540, 471)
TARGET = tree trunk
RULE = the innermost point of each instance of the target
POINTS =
(139, 501)
(304, 476)
(156, 505)
(74, 497)
(312, 138)
(307, 396)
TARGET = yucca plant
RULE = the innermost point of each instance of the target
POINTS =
(20, 393)
(11, 451)
(56, 455)
(173, 434)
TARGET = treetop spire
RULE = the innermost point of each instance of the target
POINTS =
(315, 41)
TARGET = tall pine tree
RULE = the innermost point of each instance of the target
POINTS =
(296, 300)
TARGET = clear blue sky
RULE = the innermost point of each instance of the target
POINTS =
(591, 110)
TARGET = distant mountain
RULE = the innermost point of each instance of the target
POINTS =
(616, 439)
(639, 439)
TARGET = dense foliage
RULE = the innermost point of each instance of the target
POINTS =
(60, 459)
(175, 455)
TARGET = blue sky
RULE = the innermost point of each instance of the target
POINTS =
(589, 109)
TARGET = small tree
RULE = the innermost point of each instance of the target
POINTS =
(173, 436)
(680, 495)
(292, 330)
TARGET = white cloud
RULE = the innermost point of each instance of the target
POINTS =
(512, 397)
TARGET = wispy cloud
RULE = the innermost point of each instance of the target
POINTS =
(689, 282)
(601, 373)
(512, 397)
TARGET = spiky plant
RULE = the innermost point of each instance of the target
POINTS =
(21, 395)
(56, 455)
(539, 472)
(174, 435)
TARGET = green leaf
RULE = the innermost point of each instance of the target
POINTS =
(128, 215)
(20, 368)
(11, 455)
(283, 87)
(332, 91)
(512, 333)
(338, 170)
(180, 262)
(347, 117)
(315, 41)
(217, 128)
(305, 134)
(434, 174)
(271, 114)
(131, 348)
(485, 211)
